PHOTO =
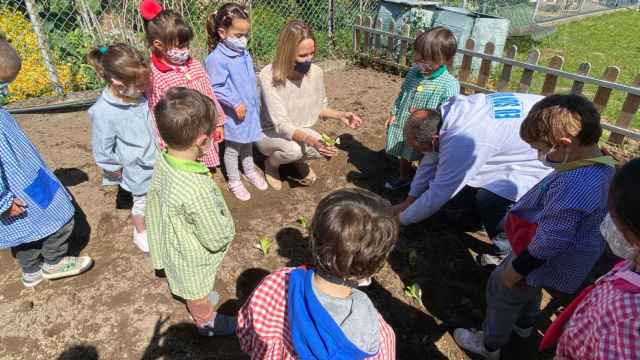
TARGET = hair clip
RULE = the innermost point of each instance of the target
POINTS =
(150, 9)
(103, 49)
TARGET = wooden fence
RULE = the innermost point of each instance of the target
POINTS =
(390, 48)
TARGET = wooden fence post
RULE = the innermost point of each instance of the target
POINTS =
(550, 80)
(404, 45)
(357, 36)
(578, 86)
(377, 43)
(527, 74)
(465, 67)
(602, 94)
(391, 41)
(485, 65)
(505, 76)
(629, 111)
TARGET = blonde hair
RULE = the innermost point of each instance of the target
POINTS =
(290, 37)
(562, 116)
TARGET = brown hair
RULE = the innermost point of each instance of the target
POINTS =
(223, 18)
(120, 62)
(352, 233)
(437, 44)
(287, 50)
(169, 28)
(182, 115)
(558, 116)
(10, 62)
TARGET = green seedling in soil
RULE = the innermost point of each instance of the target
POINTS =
(413, 258)
(329, 141)
(303, 222)
(264, 245)
(414, 292)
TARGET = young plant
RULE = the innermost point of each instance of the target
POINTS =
(329, 141)
(414, 292)
(264, 245)
(304, 222)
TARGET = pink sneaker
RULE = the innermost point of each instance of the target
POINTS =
(257, 180)
(238, 189)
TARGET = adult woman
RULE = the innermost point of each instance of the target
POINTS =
(294, 97)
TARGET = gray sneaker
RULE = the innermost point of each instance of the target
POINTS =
(68, 266)
(32, 279)
(490, 259)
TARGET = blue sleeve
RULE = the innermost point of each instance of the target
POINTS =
(221, 83)
(103, 142)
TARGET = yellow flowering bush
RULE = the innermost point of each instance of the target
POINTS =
(33, 80)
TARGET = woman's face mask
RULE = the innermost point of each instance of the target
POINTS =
(616, 240)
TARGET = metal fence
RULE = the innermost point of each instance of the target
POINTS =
(52, 36)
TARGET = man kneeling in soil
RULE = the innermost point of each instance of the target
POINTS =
(474, 158)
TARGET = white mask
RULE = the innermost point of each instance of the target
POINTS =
(178, 56)
(364, 282)
(544, 158)
(618, 244)
(238, 44)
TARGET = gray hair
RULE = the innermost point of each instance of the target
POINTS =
(423, 124)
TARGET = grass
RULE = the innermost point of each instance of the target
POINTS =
(606, 40)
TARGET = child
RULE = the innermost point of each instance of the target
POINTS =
(190, 227)
(318, 313)
(605, 319)
(122, 137)
(233, 78)
(36, 213)
(169, 37)
(554, 228)
(427, 86)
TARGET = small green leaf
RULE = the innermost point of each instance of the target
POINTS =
(303, 222)
(264, 245)
(414, 292)
(328, 140)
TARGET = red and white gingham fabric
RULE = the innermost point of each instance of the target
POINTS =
(605, 325)
(263, 329)
(193, 76)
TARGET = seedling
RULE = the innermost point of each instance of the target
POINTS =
(413, 258)
(329, 141)
(304, 222)
(414, 292)
(264, 245)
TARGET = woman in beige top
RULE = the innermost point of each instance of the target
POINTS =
(293, 98)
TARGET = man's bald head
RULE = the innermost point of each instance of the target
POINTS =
(9, 62)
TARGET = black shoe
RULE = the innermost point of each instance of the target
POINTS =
(124, 199)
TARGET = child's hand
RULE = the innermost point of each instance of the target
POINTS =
(390, 120)
(241, 112)
(510, 277)
(18, 207)
(218, 134)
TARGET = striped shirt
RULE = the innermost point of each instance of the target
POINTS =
(24, 175)
(193, 76)
(568, 207)
(263, 327)
(418, 92)
(188, 224)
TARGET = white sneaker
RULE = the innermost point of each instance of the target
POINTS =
(473, 341)
(490, 260)
(523, 332)
(140, 240)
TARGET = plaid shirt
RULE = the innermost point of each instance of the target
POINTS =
(606, 324)
(24, 175)
(193, 76)
(263, 328)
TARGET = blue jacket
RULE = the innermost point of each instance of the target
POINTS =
(24, 175)
(122, 137)
(233, 79)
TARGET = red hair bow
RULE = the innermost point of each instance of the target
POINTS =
(150, 9)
